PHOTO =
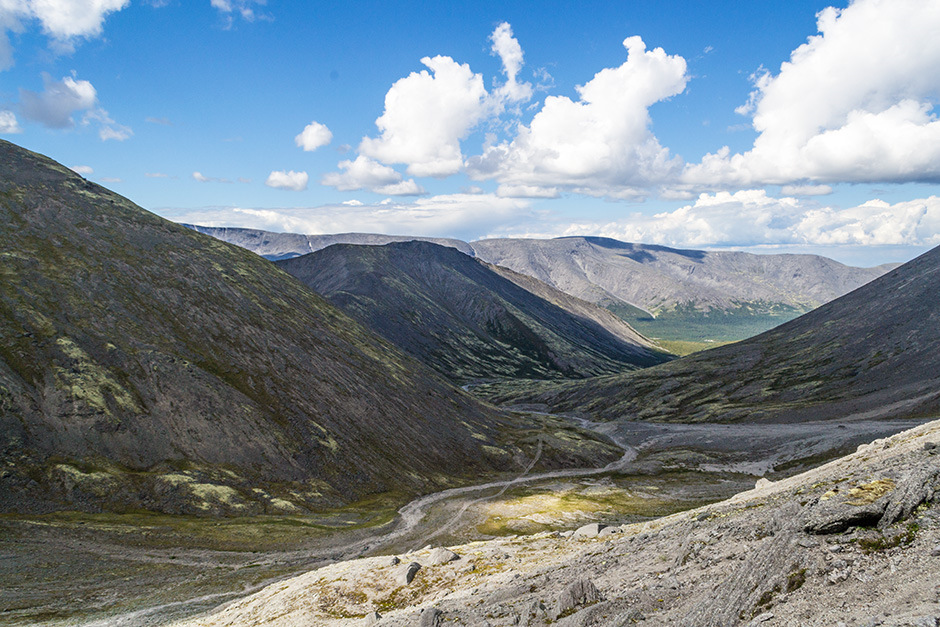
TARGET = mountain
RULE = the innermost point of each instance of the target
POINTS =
(872, 353)
(659, 279)
(144, 365)
(682, 295)
(467, 319)
(665, 293)
(275, 246)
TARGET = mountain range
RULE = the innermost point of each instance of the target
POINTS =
(871, 354)
(664, 293)
(470, 320)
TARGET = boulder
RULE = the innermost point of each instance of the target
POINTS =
(588, 531)
(440, 555)
(430, 617)
(407, 574)
(578, 593)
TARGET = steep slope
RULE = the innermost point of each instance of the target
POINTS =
(145, 365)
(659, 279)
(465, 319)
(874, 353)
(275, 246)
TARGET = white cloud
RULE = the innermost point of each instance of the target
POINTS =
(527, 191)
(202, 178)
(62, 20)
(601, 144)
(510, 53)
(8, 123)
(456, 215)
(855, 103)
(293, 181)
(314, 135)
(162, 175)
(107, 127)
(84, 170)
(426, 115)
(247, 9)
(752, 218)
(365, 173)
(58, 101)
(806, 190)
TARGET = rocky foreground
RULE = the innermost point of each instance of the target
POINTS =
(853, 542)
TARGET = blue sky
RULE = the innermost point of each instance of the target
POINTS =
(766, 126)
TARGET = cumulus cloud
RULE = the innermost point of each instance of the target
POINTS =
(426, 115)
(84, 170)
(54, 106)
(365, 173)
(753, 218)
(9, 124)
(507, 48)
(314, 135)
(455, 215)
(107, 127)
(855, 103)
(601, 144)
(202, 178)
(64, 21)
(293, 181)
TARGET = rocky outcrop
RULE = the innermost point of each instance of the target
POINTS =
(747, 561)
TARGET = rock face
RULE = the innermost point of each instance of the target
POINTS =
(144, 365)
(468, 320)
(747, 561)
(659, 279)
(860, 356)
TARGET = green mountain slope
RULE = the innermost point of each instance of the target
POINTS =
(461, 317)
(873, 353)
(144, 365)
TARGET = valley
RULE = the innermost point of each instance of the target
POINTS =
(191, 431)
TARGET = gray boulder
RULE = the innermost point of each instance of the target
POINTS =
(430, 617)
(578, 593)
(407, 574)
(588, 531)
(440, 555)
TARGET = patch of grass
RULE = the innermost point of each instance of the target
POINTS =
(795, 580)
(883, 543)
(869, 492)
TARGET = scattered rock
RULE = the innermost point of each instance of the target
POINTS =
(760, 618)
(371, 618)
(392, 561)
(925, 621)
(580, 592)
(930, 446)
(936, 551)
(408, 574)
(588, 531)
(838, 576)
(440, 555)
(430, 617)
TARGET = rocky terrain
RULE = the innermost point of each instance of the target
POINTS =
(469, 320)
(853, 542)
(867, 355)
(147, 366)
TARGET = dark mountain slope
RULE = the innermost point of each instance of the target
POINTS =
(874, 353)
(276, 246)
(145, 365)
(463, 318)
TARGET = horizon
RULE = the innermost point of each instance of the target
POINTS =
(804, 127)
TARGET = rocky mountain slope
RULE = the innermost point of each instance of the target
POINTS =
(854, 542)
(869, 354)
(469, 320)
(275, 246)
(144, 365)
(659, 279)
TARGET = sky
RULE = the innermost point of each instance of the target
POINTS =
(765, 126)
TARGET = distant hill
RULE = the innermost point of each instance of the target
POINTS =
(681, 294)
(144, 365)
(664, 293)
(276, 246)
(873, 353)
(467, 319)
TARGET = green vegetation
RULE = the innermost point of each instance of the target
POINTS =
(707, 329)
(883, 543)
